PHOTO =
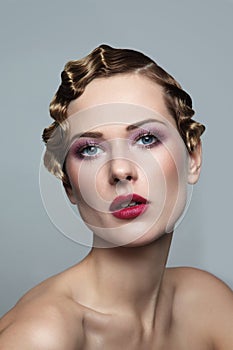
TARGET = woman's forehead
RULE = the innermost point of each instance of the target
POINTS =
(115, 114)
(122, 88)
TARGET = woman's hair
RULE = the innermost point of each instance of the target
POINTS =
(103, 62)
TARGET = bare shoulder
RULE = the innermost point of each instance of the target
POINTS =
(44, 318)
(204, 302)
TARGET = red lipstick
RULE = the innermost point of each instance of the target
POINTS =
(128, 207)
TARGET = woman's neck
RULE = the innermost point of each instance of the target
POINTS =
(129, 278)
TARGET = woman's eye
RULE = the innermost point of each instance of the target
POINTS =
(147, 140)
(92, 150)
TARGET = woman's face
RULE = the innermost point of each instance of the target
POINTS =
(127, 164)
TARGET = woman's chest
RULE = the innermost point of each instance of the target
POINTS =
(123, 334)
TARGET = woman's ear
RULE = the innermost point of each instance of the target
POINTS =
(70, 193)
(195, 160)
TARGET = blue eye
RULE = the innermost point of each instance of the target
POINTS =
(147, 140)
(91, 151)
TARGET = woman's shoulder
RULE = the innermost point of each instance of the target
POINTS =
(45, 315)
(198, 286)
(194, 280)
(204, 302)
(192, 273)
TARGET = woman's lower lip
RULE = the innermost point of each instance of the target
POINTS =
(130, 212)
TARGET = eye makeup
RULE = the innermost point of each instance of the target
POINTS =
(86, 149)
(147, 137)
(150, 136)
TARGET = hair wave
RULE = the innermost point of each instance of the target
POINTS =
(105, 61)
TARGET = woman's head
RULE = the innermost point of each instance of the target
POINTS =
(128, 131)
(104, 62)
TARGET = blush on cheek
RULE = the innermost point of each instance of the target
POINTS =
(176, 180)
(171, 178)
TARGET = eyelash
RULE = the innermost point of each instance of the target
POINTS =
(145, 134)
(79, 150)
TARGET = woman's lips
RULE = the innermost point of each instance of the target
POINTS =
(128, 207)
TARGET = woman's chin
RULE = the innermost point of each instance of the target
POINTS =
(127, 239)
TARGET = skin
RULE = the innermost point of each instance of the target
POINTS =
(124, 296)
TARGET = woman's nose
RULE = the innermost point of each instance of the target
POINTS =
(121, 169)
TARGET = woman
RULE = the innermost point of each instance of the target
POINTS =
(125, 147)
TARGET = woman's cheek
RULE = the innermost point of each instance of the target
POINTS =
(175, 170)
(88, 181)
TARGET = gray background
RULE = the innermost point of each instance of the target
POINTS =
(191, 39)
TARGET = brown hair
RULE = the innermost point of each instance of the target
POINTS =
(103, 62)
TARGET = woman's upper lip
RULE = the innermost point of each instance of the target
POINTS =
(119, 202)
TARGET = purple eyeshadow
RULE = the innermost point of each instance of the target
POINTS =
(151, 130)
(78, 145)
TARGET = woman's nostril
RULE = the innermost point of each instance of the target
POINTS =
(121, 170)
(127, 178)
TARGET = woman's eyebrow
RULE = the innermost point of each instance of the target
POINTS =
(142, 122)
(98, 135)
(91, 134)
